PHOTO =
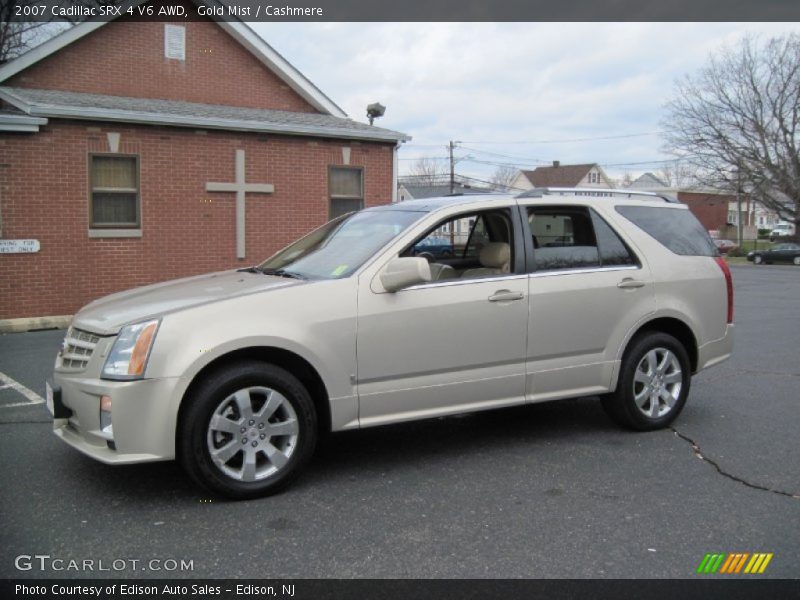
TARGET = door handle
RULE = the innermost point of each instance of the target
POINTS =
(506, 296)
(629, 284)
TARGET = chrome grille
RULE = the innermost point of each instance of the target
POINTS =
(78, 348)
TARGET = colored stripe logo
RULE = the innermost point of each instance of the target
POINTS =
(735, 563)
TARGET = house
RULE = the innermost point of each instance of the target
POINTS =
(137, 152)
(414, 191)
(647, 181)
(754, 214)
(558, 175)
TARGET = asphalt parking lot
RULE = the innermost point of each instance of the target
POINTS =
(551, 490)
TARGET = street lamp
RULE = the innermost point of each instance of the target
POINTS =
(374, 111)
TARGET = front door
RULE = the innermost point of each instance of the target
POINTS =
(451, 345)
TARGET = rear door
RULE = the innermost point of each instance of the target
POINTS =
(587, 290)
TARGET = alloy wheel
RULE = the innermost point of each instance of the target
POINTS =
(252, 434)
(657, 382)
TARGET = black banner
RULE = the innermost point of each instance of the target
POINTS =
(400, 589)
(407, 10)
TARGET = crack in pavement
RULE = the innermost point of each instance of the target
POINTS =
(774, 373)
(699, 454)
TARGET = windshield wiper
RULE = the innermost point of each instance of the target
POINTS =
(253, 269)
(283, 273)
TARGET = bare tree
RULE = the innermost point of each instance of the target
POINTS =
(503, 178)
(17, 36)
(735, 123)
(676, 174)
(428, 171)
(626, 180)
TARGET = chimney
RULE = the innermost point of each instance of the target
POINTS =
(556, 163)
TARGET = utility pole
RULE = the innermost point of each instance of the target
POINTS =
(451, 147)
(739, 206)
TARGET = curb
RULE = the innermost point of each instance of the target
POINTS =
(34, 323)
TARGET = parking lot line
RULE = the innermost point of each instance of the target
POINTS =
(33, 397)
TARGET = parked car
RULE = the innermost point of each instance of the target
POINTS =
(725, 246)
(236, 374)
(779, 253)
(433, 247)
(781, 230)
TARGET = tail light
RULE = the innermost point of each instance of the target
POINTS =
(728, 284)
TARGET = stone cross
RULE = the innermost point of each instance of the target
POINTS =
(240, 188)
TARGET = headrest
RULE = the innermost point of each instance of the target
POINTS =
(495, 255)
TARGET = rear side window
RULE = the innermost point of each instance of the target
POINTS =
(574, 237)
(563, 238)
(676, 229)
(613, 251)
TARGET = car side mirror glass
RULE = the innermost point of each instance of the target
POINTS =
(405, 271)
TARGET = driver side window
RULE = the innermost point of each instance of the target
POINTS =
(468, 246)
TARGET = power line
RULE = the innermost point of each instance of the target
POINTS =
(427, 157)
(569, 141)
(520, 158)
(646, 162)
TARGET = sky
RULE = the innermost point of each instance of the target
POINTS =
(511, 93)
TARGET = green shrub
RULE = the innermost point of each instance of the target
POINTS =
(737, 252)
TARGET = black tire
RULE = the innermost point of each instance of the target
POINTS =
(621, 405)
(758, 259)
(195, 435)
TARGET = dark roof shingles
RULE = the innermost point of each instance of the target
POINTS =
(561, 176)
(174, 108)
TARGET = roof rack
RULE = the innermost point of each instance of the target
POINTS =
(539, 192)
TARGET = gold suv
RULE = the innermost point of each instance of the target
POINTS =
(551, 294)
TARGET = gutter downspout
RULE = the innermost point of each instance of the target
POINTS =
(394, 172)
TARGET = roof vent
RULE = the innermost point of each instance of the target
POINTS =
(556, 163)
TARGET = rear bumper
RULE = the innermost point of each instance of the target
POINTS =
(715, 352)
(143, 422)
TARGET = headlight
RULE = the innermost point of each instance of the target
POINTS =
(128, 356)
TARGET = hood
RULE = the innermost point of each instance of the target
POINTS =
(107, 315)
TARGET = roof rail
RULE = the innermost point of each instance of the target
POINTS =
(543, 191)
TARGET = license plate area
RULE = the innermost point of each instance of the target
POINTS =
(53, 401)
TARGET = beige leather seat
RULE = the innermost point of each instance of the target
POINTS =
(495, 259)
(440, 271)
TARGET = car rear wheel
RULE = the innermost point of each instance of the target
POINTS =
(653, 384)
(248, 431)
(796, 260)
(757, 259)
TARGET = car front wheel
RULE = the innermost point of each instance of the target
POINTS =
(757, 259)
(248, 431)
(653, 384)
(796, 260)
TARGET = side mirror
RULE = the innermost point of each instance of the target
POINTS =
(403, 272)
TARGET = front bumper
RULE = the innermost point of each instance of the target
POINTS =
(143, 418)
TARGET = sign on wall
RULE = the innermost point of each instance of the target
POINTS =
(18, 246)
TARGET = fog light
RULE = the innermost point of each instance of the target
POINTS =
(105, 416)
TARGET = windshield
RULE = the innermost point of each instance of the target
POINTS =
(341, 246)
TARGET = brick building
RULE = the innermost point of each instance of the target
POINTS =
(137, 152)
(710, 207)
